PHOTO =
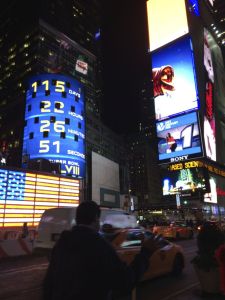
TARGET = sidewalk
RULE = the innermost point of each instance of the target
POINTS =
(190, 293)
(193, 293)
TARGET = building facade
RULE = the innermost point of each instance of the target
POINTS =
(188, 75)
(56, 38)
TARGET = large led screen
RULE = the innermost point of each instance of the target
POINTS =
(54, 122)
(212, 196)
(24, 196)
(209, 115)
(179, 138)
(166, 21)
(174, 80)
(186, 181)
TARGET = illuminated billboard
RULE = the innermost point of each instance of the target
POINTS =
(166, 21)
(186, 181)
(175, 88)
(179, 138)
(24, 196)
(54, 122)
(212, 196)
(209, 116)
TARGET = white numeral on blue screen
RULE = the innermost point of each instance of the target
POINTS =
(186, 134)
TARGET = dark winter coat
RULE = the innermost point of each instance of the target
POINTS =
(84, 266)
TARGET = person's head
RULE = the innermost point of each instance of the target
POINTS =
(88, 213)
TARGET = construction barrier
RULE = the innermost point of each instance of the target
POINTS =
(15, 247)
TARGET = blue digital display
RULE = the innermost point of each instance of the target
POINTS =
(194, 7)
(175, 89)
(54, 122)
(179, 138)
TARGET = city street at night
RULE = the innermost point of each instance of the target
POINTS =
(112, 150)
(20, 279)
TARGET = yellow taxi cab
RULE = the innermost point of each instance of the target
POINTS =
(174, 230)
(168, 259)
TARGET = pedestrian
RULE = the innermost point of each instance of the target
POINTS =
(85, 266)
(25, 230)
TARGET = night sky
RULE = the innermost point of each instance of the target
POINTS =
(125, 41)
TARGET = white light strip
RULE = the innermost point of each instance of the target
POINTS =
(17, 220)
(19, 211)
(69, 190)
(29, 194)
(55, 204)
(46, 196)
(47, 180)
(69, 197)
(19, 202)
(39, 211)
(30, 178)
(68, 204)
(47, 188)
(69, 183)
(29, 186)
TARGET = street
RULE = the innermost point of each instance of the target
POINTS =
(20, 278)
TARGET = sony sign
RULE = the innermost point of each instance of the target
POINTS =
(179, 158)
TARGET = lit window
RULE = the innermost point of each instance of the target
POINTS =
(26, 45)
(11, 56)
(3, 102)
(12, 48)
(16, 144)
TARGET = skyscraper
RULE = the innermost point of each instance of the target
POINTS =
(55, 37)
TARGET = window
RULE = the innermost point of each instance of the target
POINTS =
(134, 238)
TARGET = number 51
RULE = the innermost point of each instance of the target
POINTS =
(45, 146)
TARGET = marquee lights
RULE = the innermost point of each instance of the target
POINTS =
(25, 195)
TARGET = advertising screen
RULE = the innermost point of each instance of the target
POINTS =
(54, 122)
(179, 138)
(24, 196)
(212, 196)
(209, 116)
(166, 21)
(174, 80)
(186, 181)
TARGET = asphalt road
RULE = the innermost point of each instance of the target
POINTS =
(20, 279)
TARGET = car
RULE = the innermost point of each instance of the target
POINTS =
(174, 230)
(169, 258)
